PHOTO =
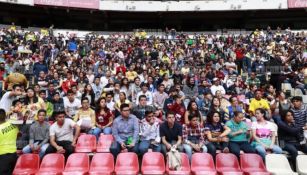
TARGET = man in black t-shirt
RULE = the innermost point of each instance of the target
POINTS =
(171, 134)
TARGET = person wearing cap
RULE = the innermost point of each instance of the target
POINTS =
(149, 133)
(217, 87)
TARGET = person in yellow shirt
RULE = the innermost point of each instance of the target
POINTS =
(259, 102)
(16, 78)
(131, 74)
(8, 137)
(86, 119)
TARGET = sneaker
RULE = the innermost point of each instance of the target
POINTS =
(226, 150)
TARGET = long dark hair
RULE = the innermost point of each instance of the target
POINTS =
(91, 93)
(27, 98)
(210, 117)
(191, 111)
(99, 108)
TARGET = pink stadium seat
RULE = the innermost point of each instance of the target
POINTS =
(153, 163)
(102, 164)
(227, 164)
(202, 163)
(104, 143)
(86, 144)
(127, 163)
(252, 164)
(52, 164)
(185, 167)
(27, 164)
(77, 164)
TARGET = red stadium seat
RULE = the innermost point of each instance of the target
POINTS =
(86, 144)
(102, 163)
(27, 164)
(77, 164)
(185, 167)
(52, 164)
(153, 163)
(227, 164)
(252, 164)
(104, 143)
(202, 163)
(127, 163)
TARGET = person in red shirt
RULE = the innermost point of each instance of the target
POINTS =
(68, 83)
(178, 108)
(104, 116)
(121, 68)
(239, 57)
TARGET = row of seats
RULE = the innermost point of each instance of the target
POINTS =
(87, 143)
(153, 163)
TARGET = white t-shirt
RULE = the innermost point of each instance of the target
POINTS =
(64, 133)
(6, 101)
(110, 105)
(215, 88)
(149, 98)
(72, 107)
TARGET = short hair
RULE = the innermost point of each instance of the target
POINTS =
(237, 113)
(147, 112)
(70, 91)
(42, 91)
(42, 110)
(296, 98)
(15, 86)
(58, 113)
(124, 105)
(170, 113)
(2, 115)
(142, 96)
(84, 98)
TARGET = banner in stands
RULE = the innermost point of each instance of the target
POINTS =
(87, 4)
(297, 3)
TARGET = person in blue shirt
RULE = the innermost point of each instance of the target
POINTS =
(40, 66)
(125, 130)
(238, 137)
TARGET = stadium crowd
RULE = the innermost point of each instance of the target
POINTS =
(194, 93)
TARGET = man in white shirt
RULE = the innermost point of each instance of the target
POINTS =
(149, 134)
(97, 87)
(8, 98)
(71, 104)
(62, 138)
(109, 101)
(216, 86)
(105, 79)
(148, 94)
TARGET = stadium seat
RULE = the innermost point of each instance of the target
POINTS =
(227, 164)
(185, 166)
(102, 163)
(277, 164)
(304, 99)
(301, 164)
(104, 143)
(298, 92)
(202, 163)
(77, 164)
(153, 163)
(127, 163)
(27, 164)
(86, 144)
(52, 164)
(252, 164)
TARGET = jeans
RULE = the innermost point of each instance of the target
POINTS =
(292, 149)
(116, 148)
(213, 146)
(248, 64)
(96, 132)
(235, 147)
(189, 150)
(107, 130)
(262, 152)
(144, 145)
(27, 149)
(69, 149)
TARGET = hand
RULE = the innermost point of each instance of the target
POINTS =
(225, 139)
(73, 143)
(60, 150)
(131, 145)
(196, 147)
(32, 148)
(168, 146)
(123, 145)
(38, 148)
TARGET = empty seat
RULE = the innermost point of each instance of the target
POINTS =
(52, 164)
(202, 163)
(86, 144)
(104, 143)
(227, 164)
(278, 164)
(153, 163)
(301, 164)
(304, 99)
(77, 163)
(27, 164)
(185, 166)
(102, 163)
(127, 163)
(252, 164)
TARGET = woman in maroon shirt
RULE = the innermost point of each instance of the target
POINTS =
(104, 117)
